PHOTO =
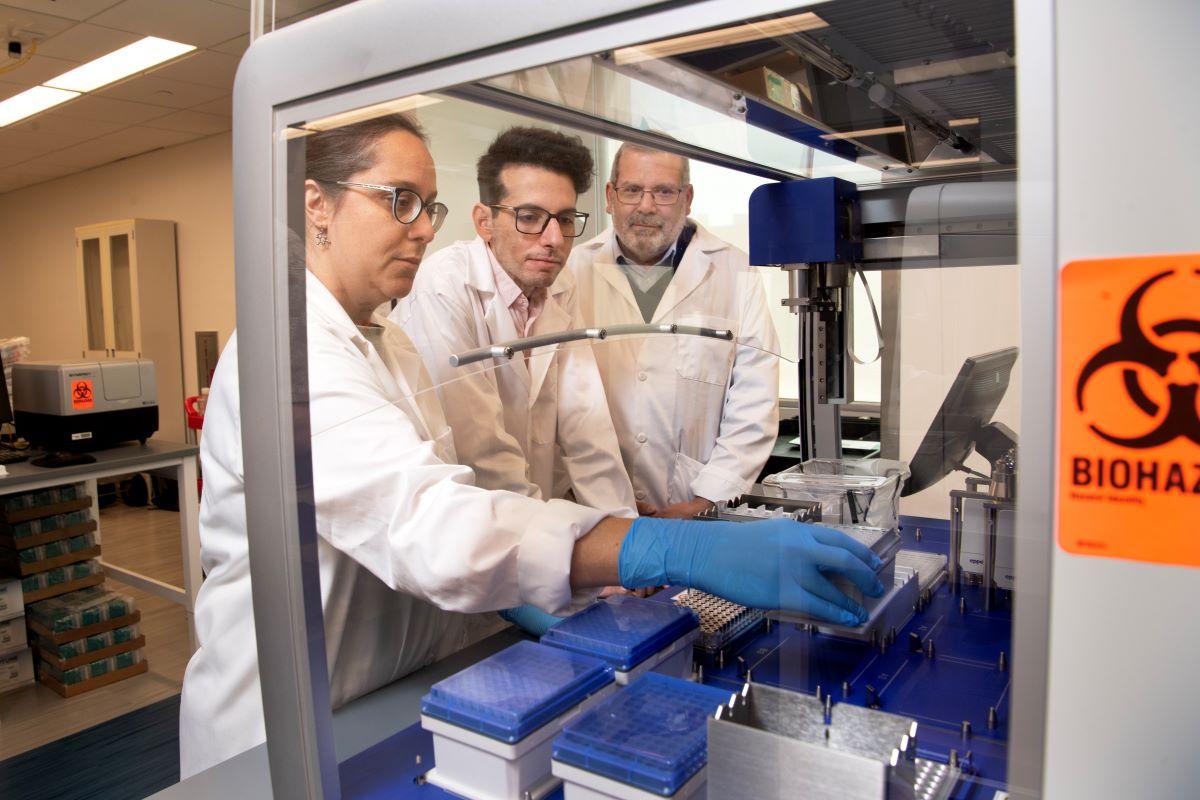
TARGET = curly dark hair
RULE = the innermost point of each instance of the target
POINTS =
(535, 147)
(334, 155)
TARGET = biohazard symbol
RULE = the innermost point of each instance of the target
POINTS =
(1164, 350)
(81, 394)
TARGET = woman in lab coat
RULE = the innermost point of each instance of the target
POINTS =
(408, 547)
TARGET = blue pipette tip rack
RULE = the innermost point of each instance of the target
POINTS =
(510, 694)
(653, 734)
(623, 630)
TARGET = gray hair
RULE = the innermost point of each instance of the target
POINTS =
(631, 147)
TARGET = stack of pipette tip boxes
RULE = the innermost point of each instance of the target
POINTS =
(647, 741)
(493, 723)
(632, 635)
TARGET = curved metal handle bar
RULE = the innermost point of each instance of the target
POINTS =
(506, 350)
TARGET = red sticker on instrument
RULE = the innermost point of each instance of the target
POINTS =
(82, 394)
(1129, 409)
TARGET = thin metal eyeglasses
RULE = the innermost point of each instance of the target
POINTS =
(407, 205)
(663, 195)
(534, 220)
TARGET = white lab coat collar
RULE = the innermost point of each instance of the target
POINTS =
(499, 317)
(402, 384)
(697, 261)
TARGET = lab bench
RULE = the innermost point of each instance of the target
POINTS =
(172, 459)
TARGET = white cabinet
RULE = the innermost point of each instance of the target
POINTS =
(129, 301)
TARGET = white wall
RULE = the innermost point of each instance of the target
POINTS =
(459, 133)
(945, 316)
(190, 184)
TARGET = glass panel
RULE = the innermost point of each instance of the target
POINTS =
(747, 301)
(122, 289)
(93, 294)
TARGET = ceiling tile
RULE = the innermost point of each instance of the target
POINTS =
(72, 9)
(18, 19)
(289, 11)
(7, 90)
(15, 155)
(55, 124)
(287, 8)
(234, 47)
(106, 109)
(222, 106)
(38, 69)
(45, 135)
(84, 42)
(199, 22)
(125, 143)
(10, 183)
(191, 122)
(206, 67)
(39, 168)
(158, 91)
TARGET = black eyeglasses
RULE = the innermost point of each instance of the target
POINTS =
(533, 220)
(407, 205)
(663, 195)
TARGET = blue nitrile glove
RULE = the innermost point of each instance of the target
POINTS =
(768, 564)
(530, 619)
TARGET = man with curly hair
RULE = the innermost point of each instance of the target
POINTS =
(537, 424)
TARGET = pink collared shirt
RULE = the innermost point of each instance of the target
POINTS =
(524, 310)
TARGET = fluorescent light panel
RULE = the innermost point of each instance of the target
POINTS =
(410, 103)
(30, 102)
(137, 57)
(750, 32)
(863, 133)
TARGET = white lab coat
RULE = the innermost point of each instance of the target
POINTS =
(405, 539)
(694, 416)
(517, 423)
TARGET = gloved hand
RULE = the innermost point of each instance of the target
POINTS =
(769, 564)
(530, 619)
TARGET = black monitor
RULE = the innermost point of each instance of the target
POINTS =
(6, 412)
(964, 422)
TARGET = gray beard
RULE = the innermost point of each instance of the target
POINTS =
(649, 249)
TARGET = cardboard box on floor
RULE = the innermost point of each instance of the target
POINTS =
(16, 670)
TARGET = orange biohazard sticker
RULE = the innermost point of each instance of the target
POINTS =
(1129, 409)
(82, 395)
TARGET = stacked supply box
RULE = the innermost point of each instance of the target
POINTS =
(647, 741)
(48, 540)
(493, 723)
(16, 658)
(87, 639)
(633, 635)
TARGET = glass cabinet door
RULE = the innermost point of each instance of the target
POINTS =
(124, 303)
(96, 314)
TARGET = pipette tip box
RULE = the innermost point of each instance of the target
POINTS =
(633, 635)
(648, 740)
(493, 723)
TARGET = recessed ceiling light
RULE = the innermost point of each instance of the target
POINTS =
(137, 57)
(30, 102)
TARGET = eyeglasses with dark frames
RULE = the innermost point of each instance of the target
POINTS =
(534, 220)
(663, 195)
(407, 205)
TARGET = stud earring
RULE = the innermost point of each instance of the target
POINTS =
(322, 238)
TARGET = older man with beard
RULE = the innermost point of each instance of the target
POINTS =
(695, 417)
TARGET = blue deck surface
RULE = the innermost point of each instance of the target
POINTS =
(960, 683)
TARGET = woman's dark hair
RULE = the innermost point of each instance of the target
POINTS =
(535, 147)
(336, 154)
